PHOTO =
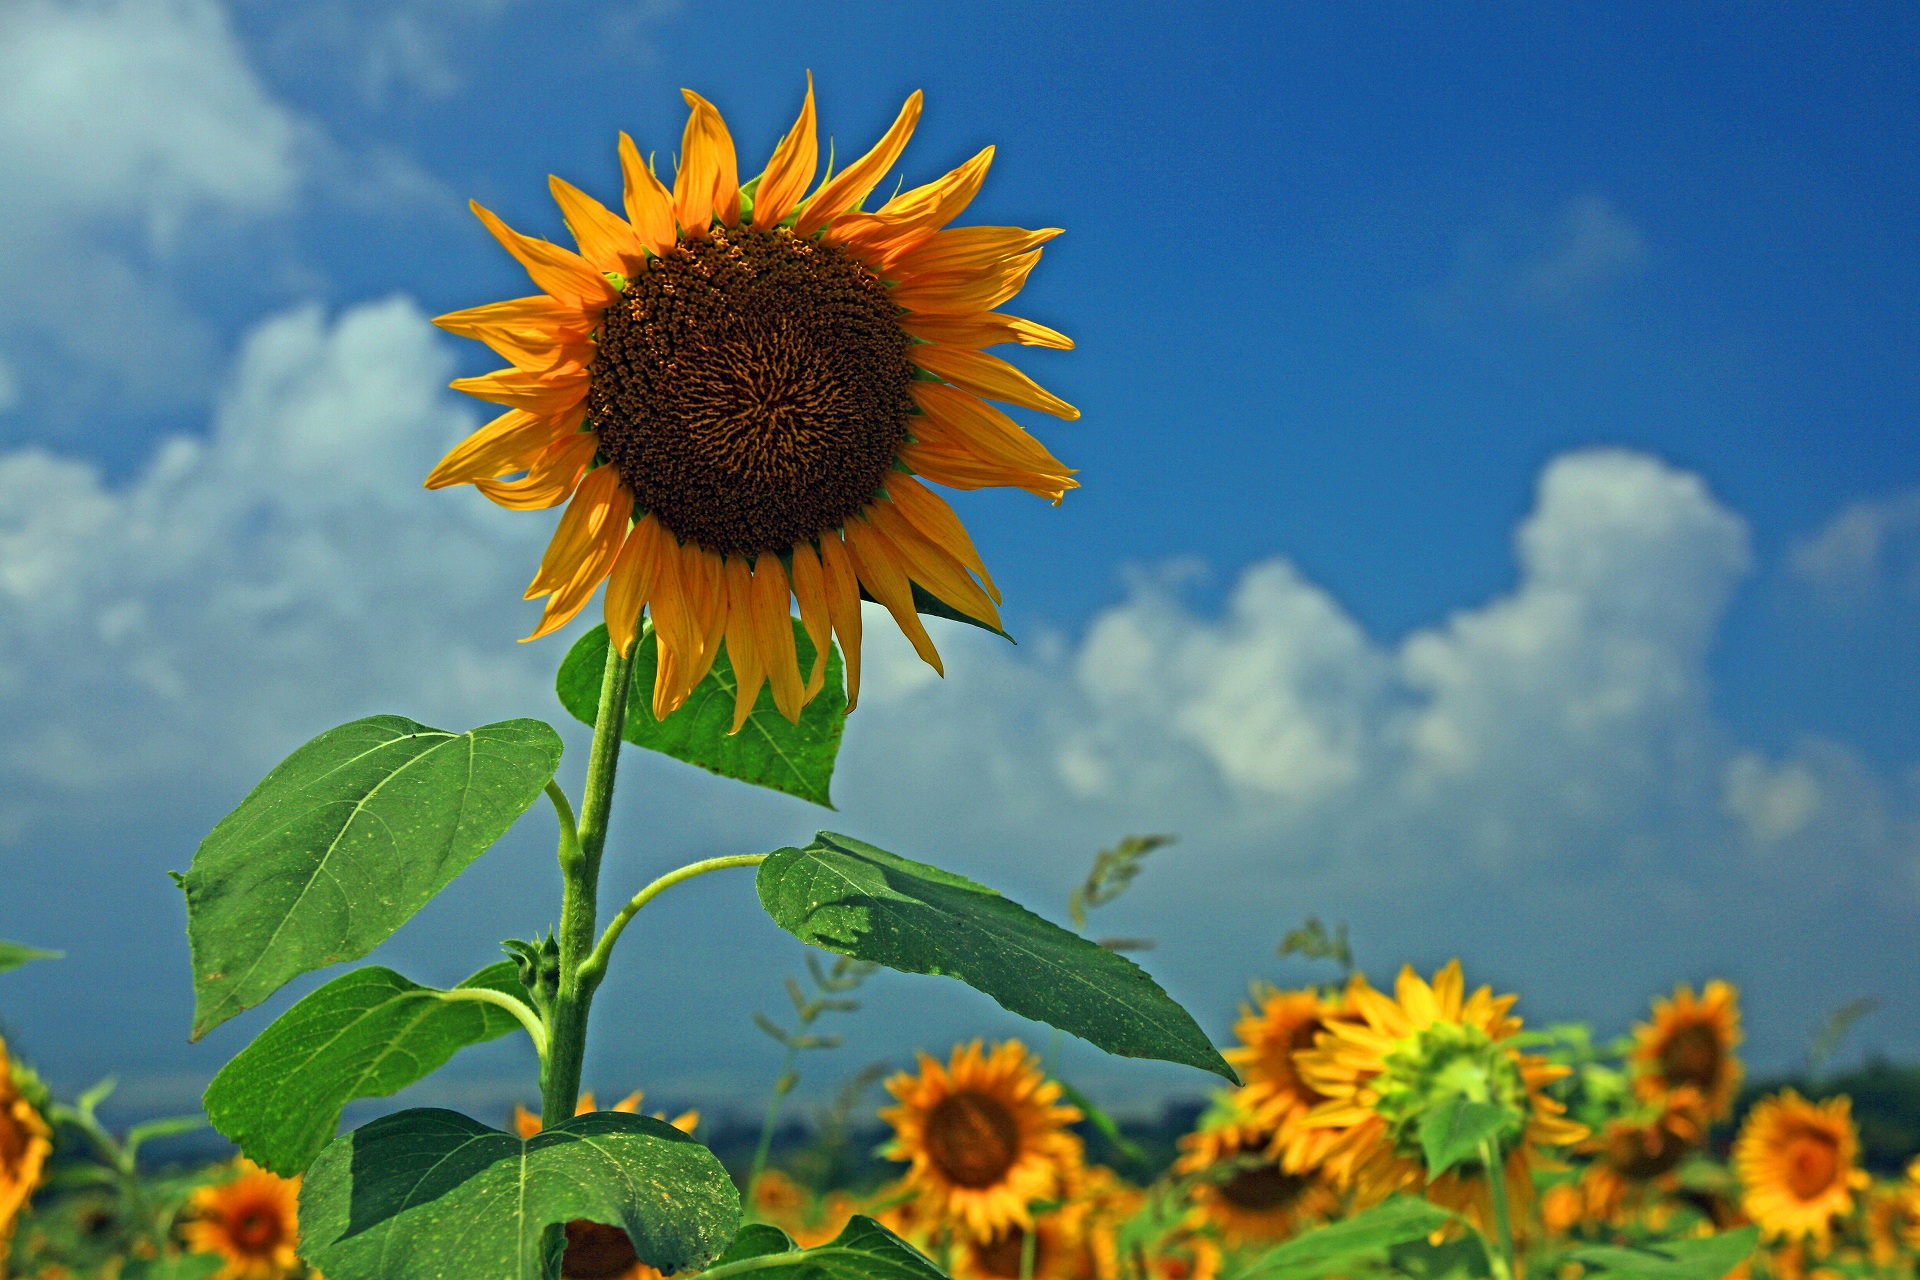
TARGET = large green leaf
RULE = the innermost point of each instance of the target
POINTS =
(864, 1250)
(843, 895)
(435, 1195)
(768, 752)
(15, 954)
(364, 1035)
(1453, 1130)
(1705, 1259)
(1336, 1247)
(343, 842)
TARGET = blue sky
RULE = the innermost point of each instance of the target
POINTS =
(1501, 522)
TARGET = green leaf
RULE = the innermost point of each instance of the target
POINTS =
(184, 1266)
(756, 1240)
(343, 842)
(1709, 1258)
(865, 1250)
(15, 954)
(845, 896)
(1454, 1130)
(1393, 1222)
(365, 1035)
(434, 1194)
(768, 752)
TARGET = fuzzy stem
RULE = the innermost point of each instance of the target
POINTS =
(1500, 1257)
(594, 967)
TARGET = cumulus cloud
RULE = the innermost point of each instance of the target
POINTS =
(1870, 551)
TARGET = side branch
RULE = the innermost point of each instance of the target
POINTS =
(595, 965)
(536, 1030)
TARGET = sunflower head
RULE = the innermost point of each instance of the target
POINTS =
(1058, 1242)
(252, 1221)
(1276, 1026)
(1241, 1187)
(986, 1136)
(1690, 1043)
(25, 1144)
(738, 391)
(1892, 1222)
(1797, 1164)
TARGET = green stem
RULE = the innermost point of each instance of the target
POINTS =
(594, 967)
(1500, 1258)
(782, 1086)
(1029, 1247)
(527, 1017)
(579, 903)
(569, 825)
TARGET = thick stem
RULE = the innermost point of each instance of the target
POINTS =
(1499, 1258)
(579, 904)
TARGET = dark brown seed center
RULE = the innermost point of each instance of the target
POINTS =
(1262, 1188)
(752, 389)
(973, 1139)
(1692, 1056)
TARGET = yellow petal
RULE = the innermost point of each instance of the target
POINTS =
(707, 184)
(842, 587)
(931, 567)
(810, 592)
(969, 249)
(536, 334)
(551, 479)
(743, 648)
(632, 581)
(586, 522)
(562, 273)
(929, 513)
(608, 534)
(509, 444)
(604, 237)
(912, 216)
(965, 292)
(990, 377)
(986, 330)
(772, 619)
(850, 186)
(955, 419)
(967, 470)
(550, 392)
(649, 203)
(880, 573)
(790, 171)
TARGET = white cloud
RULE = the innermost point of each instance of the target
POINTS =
(1559, 266)
(1774, 803)
(1868, 550)
(389, 49)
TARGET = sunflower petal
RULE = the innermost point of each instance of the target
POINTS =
(931, 567)
(990, 377)
(958, 421)
(599, 505)
(551, 479)
(649, 203)
(910, 217)
(635, 575)
(790, 171)
(562, 273)
(929, 513)
(878, 565)
(772, 621)
(510, 443)
(845, 190)
(743, 642)
(967, 470)
(976, 331)
(552, 392)
(842, 586)
(536, 334)
(707, 184)
(966, 291)
(969, 249)
(810, 593)
(604, 237)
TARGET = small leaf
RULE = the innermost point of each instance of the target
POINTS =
(756, 1240)
(183, 1266)
(768, 752)
(1705, 1259)
(865, 1250)
(343, 842)
(1393, 1222)
(1453, 1129)
(431, 1194)
(15, 954)
(367, 1034)
(846, 896)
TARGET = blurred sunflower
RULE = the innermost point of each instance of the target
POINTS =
(1240, 1188)
(1396, 1058)
(740, 386)
(251, 1220)
(1893, 1221)
(1796, 1161)
(1184, 1256)
(1691, 1042)
(1632, 1152)
(1060, 1250)
(1277, 1026)
(25, 1144)
(986, 1134)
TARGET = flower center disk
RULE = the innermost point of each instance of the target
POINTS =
(751, 389)
(972, 1139)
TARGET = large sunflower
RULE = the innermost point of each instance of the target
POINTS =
(741, 386)
(1394, 1058)
(986, 1134)
(25, 1144)
(1272, 1030)
(1240, 1188)
(1797, 1164)
(1691, 1042)
(251, 1220)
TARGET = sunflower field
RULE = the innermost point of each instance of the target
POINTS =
(740, 392)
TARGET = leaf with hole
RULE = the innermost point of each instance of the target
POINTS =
(433, 1195)
(797, 759)
(846, 896)
(366, 1034)
(343, 842)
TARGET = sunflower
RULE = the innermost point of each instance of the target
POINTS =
(1240, 1187)
(1796, 1161)
(739, 388)
(1183, 1256)
(25, 1144)
(1392, 1059)
(1061, 1250)
(1278, 1025)
(986, 1134)
(251, 1220)
(1893, 1221)
(1691, 1042)
(1633, 1152)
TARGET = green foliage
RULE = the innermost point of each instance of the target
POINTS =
(15, 954)
(364, 1035)
(432, 1194)
(797, 759)
(1834, 1030)
(1340, 1245)
(1112, 872)
(1705, 1259)
(865, 1250)
(1453, 1130)
(343, 842)
(846, 896)
(1313, 941)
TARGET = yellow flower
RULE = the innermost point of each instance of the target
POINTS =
(986, 1135)
(1634, 1151)
(25, 1144)
(1796, 1163)
(251, 1220)
(740, 388)
(1893, 1220)
(1277, 1027)
(1240, 1188)
(1691, 1042)
(1392, 1059)
(1060, 1250)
